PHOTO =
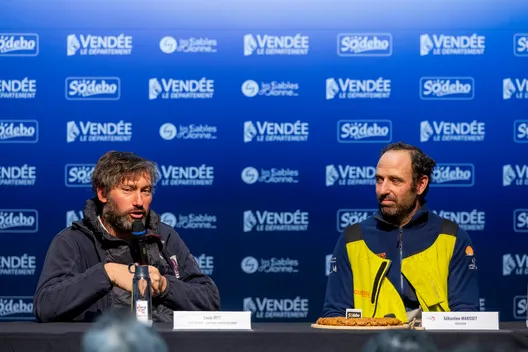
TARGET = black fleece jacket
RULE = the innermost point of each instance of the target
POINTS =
(74, 286)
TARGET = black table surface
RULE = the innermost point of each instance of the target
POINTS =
(291, 337)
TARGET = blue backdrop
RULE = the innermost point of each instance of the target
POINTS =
(266, 119)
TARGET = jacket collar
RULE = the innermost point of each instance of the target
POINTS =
(420, 216)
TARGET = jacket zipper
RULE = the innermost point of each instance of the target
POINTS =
(400, 246)
(382, 271)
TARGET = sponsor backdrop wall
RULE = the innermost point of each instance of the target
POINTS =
(266, 121)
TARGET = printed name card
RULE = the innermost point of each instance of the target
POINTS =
(460, 320)
(354, 313)
(212, 320)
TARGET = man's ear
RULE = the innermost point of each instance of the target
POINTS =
(421, 185)
(102, 196)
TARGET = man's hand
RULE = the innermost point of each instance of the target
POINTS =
(122, 278)
(158, 282)
(119, 275)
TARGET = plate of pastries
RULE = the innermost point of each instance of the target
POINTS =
(360, 323)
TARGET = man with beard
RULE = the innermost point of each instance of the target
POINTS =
(86, 268)
(405, 258)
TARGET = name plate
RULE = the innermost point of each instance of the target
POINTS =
(460, 320)
(212, 320)
(354, 313)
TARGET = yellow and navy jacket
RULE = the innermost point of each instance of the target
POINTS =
(384, 269)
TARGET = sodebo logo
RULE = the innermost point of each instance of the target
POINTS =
(19, 44)
(364, 44)
(364, 131)
(520, 131)
(453, 175)
(347, 217)
(520, 220)
(19, 131)
(16, 308)
(78, 175)
(519, 307)
(93, 88)
(447, 88)
(520, 44)
(18, 221)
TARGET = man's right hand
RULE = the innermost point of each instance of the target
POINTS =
(119, 275)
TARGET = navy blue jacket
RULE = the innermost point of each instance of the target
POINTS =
(74, 286)
(419, 234)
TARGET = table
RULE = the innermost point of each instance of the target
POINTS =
(276, 337)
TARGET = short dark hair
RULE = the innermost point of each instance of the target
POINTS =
(421, 163)
(115, 167)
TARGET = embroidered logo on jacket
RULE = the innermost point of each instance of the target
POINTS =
(175, 266)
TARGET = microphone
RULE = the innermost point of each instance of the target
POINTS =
(139, 232)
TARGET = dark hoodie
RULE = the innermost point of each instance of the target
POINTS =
(74, 285)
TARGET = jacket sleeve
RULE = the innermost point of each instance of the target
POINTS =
(339, 290)
(65, 290)
(193, 290)
(463, 290)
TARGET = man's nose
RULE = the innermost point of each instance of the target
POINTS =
(138, 199)
(384, 188)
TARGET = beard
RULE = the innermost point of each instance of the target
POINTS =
(401, 208)
(120, 220)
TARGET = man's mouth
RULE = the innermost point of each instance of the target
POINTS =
(137, 214)
(387, 202)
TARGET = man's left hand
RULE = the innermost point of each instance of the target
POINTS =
(158, 281)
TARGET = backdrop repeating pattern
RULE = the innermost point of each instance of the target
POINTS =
(266, 134)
